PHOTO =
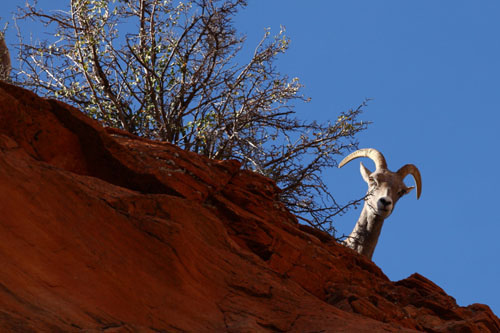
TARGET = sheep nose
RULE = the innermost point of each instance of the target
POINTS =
(384, 201)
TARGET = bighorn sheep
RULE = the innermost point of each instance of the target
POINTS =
(385, 188)
(5, 65)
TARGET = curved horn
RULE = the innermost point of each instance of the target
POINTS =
(410, 169)
(371, 153)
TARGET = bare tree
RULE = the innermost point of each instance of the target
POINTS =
(171, 71)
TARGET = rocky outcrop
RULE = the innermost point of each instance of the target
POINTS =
(102, 231)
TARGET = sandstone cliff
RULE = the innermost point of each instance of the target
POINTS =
(101, 231)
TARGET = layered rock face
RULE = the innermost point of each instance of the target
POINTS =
(101, 231)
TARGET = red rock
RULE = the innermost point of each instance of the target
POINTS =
(104, 231)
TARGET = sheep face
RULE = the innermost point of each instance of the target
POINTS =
(385, 188)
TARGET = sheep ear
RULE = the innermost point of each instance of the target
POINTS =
(365, 173)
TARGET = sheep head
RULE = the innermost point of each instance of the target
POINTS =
(385, 187)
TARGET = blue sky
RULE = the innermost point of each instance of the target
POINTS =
(432, 69)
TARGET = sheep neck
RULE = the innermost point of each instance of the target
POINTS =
(364, 237)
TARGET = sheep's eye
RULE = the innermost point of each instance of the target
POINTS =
(402, 192)
(372, 181)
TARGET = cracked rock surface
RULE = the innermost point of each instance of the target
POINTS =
(101, 231)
